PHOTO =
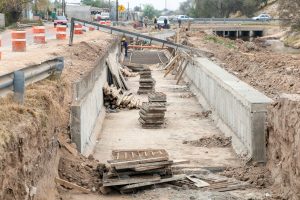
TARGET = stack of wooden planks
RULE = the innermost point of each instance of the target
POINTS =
(133, 169)
(147, 83)
(114, 98)
(152, 113)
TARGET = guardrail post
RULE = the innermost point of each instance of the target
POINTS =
(58, 68)
(19, 86)
(71, 32)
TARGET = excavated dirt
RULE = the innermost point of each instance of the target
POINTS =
(257, 176)
(284, 145)
(82, 171)
(211, 141)
(29, 147)
(273, 74)
(269, 72)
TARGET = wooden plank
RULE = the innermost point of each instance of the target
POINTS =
(141, 169)
(115, 163)
(123, 80)
(68, 147)
(127, 181)
(185, 66)
(165, 180)
(152, 153)
(173, 60)
(197, 182)
(132, 166)
(234, 187)
(71, 185)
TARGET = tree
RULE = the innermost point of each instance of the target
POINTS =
(219, 8)
(13, 9)
(96, 3)
(150, 11)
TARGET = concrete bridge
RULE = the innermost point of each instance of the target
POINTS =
(238, 31)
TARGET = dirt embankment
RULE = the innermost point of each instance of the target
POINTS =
(284, 146)
(29, 147)
(273, 74)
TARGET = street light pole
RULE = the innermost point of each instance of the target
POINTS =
(117, 10)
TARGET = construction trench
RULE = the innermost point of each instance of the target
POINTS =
(97, 131)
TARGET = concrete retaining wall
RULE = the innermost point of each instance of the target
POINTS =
(87, 107)
(240, 107)
(2, 20)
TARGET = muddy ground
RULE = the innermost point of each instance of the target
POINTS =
(273, 74)
(29, 142)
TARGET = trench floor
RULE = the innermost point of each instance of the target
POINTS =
(122, 131)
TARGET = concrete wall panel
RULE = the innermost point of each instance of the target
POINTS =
(242, 108)
(88, 103)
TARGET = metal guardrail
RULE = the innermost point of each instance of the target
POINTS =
(117, 31)
(17, 80)
(237, 20)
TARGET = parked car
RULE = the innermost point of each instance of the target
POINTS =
(262, 17)
(102, 16)
(161, 21)
(184, 18)
(60, 20)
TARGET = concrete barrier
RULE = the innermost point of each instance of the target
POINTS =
(2, 20)
(239, 106)
(87, 107)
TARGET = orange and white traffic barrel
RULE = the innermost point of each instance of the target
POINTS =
(61, 32)
(108, 23)
(78, 29)
(18, 39)
(39, 34)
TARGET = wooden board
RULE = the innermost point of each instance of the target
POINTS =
(71, 185)
(140, 155)
(165, 180)
(129, 180)
(132, 166)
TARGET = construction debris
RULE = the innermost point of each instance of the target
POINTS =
(128, 72)
(115, 99)
(147, 83)
(132, 169)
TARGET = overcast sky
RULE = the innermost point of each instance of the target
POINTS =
(158, 4)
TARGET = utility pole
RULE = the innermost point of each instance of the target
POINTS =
(109, 6)
(117, 10)
(128, 13)
(63, 7)
(165, 4)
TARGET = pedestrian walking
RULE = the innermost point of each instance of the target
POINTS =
(166, 23)
(155, 22)
(179, 22)
(146, 21)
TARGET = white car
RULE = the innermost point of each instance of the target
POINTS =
(161, 21)
(184, 18)
(262, 17)
(102, 16)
